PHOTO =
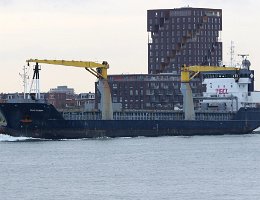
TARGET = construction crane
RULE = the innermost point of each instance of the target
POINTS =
(96, 69)
(187, 74)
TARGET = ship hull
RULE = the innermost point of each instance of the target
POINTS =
(152, 129)
(44, 121)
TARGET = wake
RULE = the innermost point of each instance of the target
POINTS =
(7, 138)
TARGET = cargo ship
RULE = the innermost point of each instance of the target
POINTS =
(40, 120)
(228, 107)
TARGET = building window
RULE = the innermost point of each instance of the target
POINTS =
(162, 47)
(114, 85)
(114, 99)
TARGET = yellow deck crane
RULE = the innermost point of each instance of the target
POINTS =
(97, 69)
(187, 74)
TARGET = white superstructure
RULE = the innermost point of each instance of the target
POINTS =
(228, 87)
(230, 91)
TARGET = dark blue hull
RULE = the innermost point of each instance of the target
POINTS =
(44, 121)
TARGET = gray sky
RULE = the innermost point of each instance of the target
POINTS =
(98, 30)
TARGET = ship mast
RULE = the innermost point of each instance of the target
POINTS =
(232, 53)
(35, 83)
(245, 62)
(25, 78)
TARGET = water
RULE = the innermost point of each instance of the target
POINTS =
(181, 168)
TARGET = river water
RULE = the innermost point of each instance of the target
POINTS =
(181, 168)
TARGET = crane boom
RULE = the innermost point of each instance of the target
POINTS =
(187, 74)
(97, 69)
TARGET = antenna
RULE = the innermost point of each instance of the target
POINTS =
(232, 53)
(244, 56)
(25, 77)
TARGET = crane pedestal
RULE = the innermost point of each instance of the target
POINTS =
(106, 102)
(188, 105)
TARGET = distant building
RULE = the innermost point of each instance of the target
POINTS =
(148, 91)
(176, 36)
(86, 100)
(63, 97)
(62, 89)
(57, 99)
(183, 36)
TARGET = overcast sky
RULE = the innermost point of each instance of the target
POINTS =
(98, 30)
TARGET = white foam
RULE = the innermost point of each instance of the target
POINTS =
(7, 138)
